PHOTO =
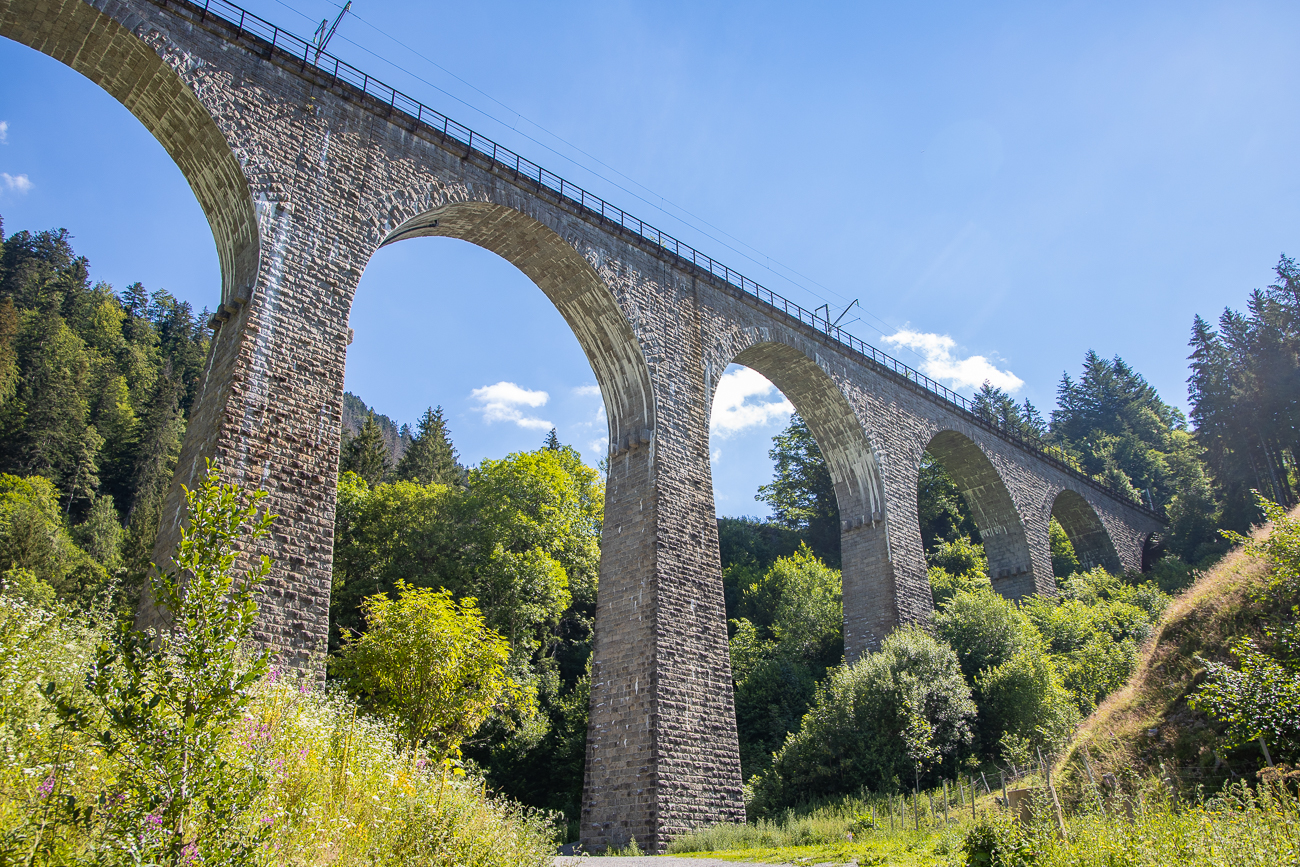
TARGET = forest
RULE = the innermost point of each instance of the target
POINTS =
(491, 572)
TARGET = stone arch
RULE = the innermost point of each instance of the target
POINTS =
(1011, 566)
(1092, 544)
(146, 72)
(576, 290)
(870, 605)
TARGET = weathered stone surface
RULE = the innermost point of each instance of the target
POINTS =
(303, 178)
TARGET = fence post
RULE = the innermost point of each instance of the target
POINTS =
(1056, 802)
(945, 802)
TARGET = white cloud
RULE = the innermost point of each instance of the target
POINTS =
(19, 183)
(502, 402)
(940, 363)
(715, 456)
(736, 407)
(587, 391)
(4, 132)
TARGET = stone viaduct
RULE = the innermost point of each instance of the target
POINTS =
(305, 166)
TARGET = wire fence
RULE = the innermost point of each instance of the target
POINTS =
(502, 159)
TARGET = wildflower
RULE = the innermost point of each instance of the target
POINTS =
(154, 819)
(46, 787)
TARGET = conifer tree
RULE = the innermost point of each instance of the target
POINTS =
(366, 453)
(8, 350)
(430, 457)
(802, 495)
(552, 441)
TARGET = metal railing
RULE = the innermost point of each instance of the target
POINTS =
(306, 53)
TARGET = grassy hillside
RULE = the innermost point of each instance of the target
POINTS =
(1147, 729)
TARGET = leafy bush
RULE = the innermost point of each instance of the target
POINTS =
(777, 660)
(1023, 697)
(430, 664)
(984, 629)
(909, 693)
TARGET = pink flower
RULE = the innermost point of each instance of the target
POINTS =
(273, 675)
(47, 786)
(154, 819)
(190, 853)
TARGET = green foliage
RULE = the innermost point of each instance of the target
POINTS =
(159, 704)
(748, 548)
(1114, 423)
(910, 691)
(430, 457)
(36, 551)
(366, 454)
(523, 539)
(801, 493)
(430, 663)
(1245, 376)
(94, 389)
(1094, 631)
(943, 513)
(1064, 561)
(983, 629)
(1260, 698)
(1023, 697)
(997, 406)
(955, 566)
(338, 790)
(777, 658)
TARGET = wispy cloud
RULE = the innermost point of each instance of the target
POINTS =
(587, 391)
(4, 132)
(940, 362)
(17, 183)
(738, 403)
(503, 402)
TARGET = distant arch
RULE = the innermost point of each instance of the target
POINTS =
(573, 286)
(1092, 543)
(870, 598)
(1011, 566)
(144, 72)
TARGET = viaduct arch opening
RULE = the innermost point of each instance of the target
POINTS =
(578, 293)
(1092, 544)
(870, 609)
(131, 70)
(1001, 528)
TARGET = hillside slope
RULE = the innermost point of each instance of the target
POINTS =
(1147, 729)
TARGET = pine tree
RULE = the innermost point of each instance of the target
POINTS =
(366, 454)
(552, 441)
(430, 457)
(8, 350)
(161, 429)
(802, 495)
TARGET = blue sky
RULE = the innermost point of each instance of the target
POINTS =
(1003, 186)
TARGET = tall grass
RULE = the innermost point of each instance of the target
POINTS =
(340, 789)
(1243, 826)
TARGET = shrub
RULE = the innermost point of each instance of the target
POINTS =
(983, 628)
(429, 663)
(1023, 697)
(910, 692)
